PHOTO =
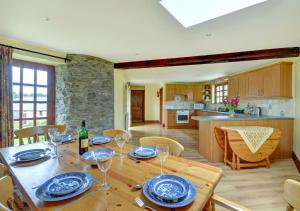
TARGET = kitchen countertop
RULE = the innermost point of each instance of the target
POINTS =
(239, 117)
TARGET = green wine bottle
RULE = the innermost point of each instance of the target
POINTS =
(83, 139)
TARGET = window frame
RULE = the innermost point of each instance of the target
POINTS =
(50, 103)
(221, 91)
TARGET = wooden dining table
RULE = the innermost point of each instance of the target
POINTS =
(124, 174)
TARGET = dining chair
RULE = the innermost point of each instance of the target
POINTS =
(3, 170)
(6, 193)
(216, 199)
(175, 148)
(291, 193)
(114, 132)
(60, 128)
(31, 134)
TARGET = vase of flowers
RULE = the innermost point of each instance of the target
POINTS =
(231, 105)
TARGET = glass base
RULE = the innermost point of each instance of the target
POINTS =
(121, 155)
(106, 186)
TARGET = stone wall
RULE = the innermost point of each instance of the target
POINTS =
(85, 91)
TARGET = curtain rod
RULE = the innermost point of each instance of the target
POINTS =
(36, 52)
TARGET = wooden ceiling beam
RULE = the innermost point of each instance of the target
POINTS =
(274, 53)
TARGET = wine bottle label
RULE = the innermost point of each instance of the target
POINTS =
(84, 143)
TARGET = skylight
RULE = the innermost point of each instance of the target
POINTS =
(192, 12)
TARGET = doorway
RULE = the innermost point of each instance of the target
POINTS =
(137, 106)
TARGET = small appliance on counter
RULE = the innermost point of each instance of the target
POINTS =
(199, 106)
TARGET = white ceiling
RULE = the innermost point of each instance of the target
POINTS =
(128, 30)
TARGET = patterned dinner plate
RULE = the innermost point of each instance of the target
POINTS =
(189, 198)
(101, 139)
(169, 188)
(65, 138)
(43, 194)
(88, 156)
(143, 152)
(31, 155)
(64, 185)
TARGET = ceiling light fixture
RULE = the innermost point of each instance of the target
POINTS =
(192, 12)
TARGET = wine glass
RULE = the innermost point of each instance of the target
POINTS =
(121, 140)
(163, 152)
(56, 139)
(104, 161)
(51, 132)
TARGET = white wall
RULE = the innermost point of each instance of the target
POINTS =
(296, 147)
(120, 96)
(151, 102)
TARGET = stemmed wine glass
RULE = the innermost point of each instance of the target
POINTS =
(163, 152)
(121, 140)
(52, 132)
(104, 161)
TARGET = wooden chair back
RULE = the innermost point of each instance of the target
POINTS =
(60, 128)
(175, 148)
(291, 194)
(114, 132)
(31, 134)
(6, 190)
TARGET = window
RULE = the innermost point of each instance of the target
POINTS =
(33, 94)
(221, 92)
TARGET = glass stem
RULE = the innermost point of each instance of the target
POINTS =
(56, 150)
(104, 180)
(121, 151)
(161, 167)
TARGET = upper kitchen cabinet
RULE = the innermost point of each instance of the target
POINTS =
(278, 81)
(198, 92)
(273, 81)
(181, 89)
(170, 92)
(256, 84)
(191, 92)
(238, 85)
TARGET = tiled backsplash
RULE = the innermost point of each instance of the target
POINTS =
(269, 107)
(180, 104)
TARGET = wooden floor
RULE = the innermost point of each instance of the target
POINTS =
(258, 189)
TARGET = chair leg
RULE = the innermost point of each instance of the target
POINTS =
(233, 161)
(268, 162)
(238, 166)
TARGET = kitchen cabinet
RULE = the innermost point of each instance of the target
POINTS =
(256, 84)
(274, 81)
(181, 89)
(278, 81)
(191, 92)
(171, 124)
(238, 85)
(170, 92)
(233, 87)
(198, 92)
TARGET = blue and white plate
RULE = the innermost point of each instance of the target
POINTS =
(64, 185)
(101, 139)
(89, 158)
(189, 198)
(65, 138)
(169, 188)
(143, 152)
(43, 194)
(31, 154)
